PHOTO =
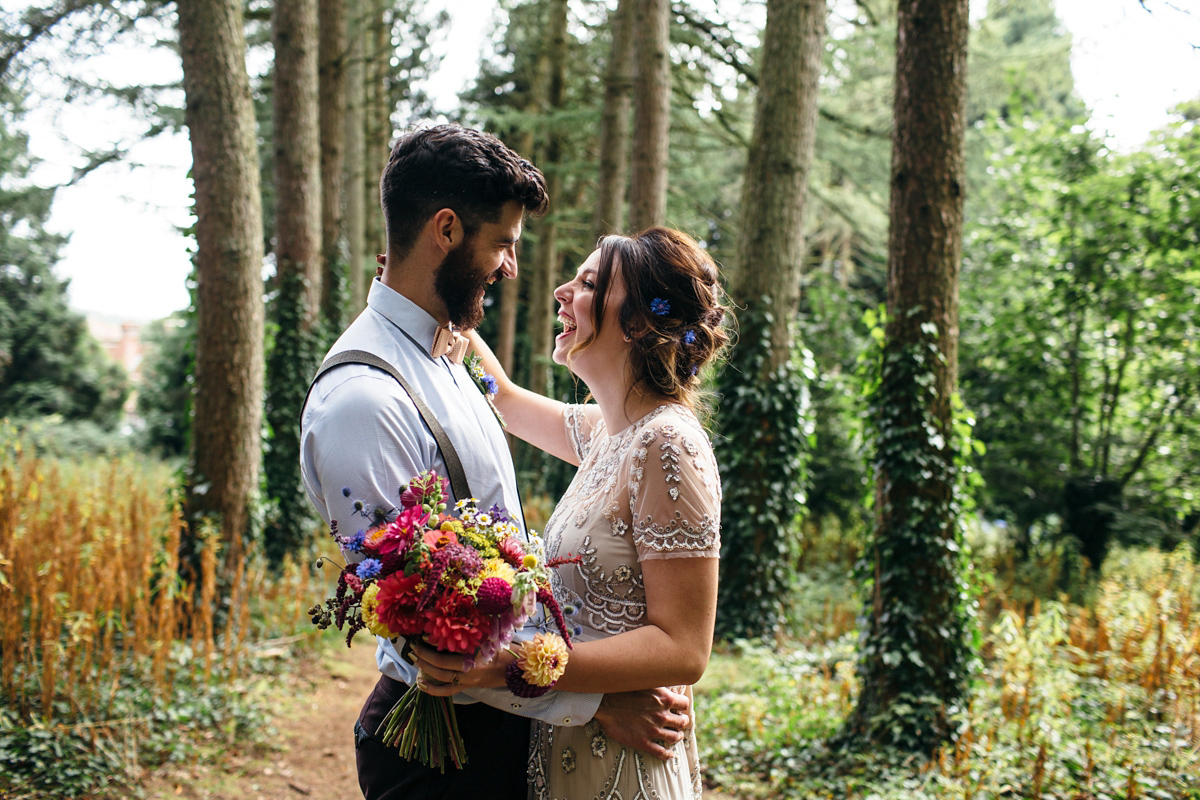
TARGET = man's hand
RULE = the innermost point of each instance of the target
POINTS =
(651, 720)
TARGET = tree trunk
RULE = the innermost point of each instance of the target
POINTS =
(296, 308)
(652, 113)
(229, 295)
(913, 670)
(331, 77)
(545, 268)
(770, 255)
(355, 164)
(297, 149)
(614, 124)
(378, 129)
(763, 421)
(506, 325)
(510, 296)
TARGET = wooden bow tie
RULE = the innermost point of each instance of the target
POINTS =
(451, 344)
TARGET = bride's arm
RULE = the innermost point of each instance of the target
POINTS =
(676, 521)
(671, 649)
(527, 415)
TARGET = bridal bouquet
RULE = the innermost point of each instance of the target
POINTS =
(464, 583)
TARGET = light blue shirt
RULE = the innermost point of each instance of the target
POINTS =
(361, 431)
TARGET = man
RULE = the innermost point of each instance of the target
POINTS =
(454, 202)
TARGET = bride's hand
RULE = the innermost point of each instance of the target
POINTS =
(443, 674)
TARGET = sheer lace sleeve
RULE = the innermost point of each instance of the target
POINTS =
(580, 421)
(675, 492)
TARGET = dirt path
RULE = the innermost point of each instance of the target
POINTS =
(315, 756)
(314, 759)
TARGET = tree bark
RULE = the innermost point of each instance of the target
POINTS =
(355, 163)
(545, 268)
(297, 145)
(770, 255)
(229, 295)
(614, 124)
(915, 660)
(378, 127)
(764, 454)
(331, 77)
(652, 113)
(299, 268)
(506, 325)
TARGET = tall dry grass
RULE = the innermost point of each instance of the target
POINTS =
(90, 591)
(1070, 701)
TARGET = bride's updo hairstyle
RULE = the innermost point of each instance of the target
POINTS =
(673, 312)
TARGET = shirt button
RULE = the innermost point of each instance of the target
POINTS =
(516, 705)
(566, 720)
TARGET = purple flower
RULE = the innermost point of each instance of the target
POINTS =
(489, 383)
(660, 307)
(689, 337)
(355, 542)
(368, 568)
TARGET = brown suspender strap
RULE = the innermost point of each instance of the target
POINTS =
(458, 476)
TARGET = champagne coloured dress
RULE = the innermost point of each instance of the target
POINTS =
(650, 491)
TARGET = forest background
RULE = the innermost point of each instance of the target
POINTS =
(1064, 542)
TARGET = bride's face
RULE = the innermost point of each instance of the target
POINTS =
(575, 299)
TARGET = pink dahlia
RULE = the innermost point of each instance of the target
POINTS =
(494, 596)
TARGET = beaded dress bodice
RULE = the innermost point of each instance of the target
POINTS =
(650, 491)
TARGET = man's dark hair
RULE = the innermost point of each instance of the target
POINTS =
(445, 166)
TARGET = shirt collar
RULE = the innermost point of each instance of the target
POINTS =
(403, 313)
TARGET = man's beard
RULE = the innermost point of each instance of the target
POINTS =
(460, 285)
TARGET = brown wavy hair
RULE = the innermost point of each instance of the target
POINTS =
(673, 313)
(447, 166)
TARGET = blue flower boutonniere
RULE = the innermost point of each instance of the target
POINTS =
(486, 383)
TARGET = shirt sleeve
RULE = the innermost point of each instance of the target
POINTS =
(363, 444)
(675, 494)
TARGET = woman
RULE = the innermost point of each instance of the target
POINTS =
(640, 319)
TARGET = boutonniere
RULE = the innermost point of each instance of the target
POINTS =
(485, 382)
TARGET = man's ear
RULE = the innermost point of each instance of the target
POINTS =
(447, 229)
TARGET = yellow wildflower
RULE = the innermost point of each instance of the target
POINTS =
(370, 603)
(497, 568)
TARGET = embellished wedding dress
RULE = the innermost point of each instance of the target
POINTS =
(650, 491)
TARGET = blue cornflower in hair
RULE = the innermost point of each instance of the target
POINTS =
(689, 337)
(660, 307)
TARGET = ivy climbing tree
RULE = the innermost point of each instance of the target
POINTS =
(915, 654)
(764, 427)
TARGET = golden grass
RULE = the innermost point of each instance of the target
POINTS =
(90, 586)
